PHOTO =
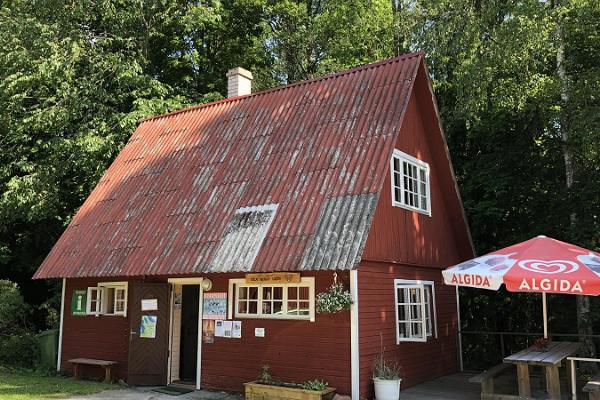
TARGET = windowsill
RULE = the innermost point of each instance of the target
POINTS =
(408, 208)
(106, 315)
(283, 318)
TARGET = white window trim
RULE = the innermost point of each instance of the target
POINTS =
(400, 155)
(101, 305)
(88, 307)
(421, 284)
(236, 283)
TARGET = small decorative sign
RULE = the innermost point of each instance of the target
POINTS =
(274, 277)
(259, 332)
(79, 302)
(148, 326)
(215, 306)
(149, 304)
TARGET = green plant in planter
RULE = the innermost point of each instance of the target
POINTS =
(265, 374)
(316, 385)
(335, 299)
(385, 370)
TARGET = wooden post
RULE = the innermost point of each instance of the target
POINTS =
(523, 378)
(487, 386)
(107, 374)
(553, 382)
(76, 371)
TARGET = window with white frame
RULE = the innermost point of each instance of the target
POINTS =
(108, 298)
(415, 310)
(410, 183)
(280, 301)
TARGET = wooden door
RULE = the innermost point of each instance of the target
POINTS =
(148, 347)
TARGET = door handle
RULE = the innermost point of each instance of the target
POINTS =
(133, 333)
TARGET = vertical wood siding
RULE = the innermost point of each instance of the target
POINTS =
(102, 337)
(404, 244)
(419, 361)
(404, 236)
(296, 350)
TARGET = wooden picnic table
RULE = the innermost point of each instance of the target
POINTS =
(550, 358)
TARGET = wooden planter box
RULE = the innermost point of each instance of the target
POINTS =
(261, 391)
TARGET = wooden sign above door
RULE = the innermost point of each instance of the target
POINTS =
(274, 278)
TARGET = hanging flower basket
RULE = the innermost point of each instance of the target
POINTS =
(335, 299)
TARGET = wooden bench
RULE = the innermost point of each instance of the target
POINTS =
(593, 388)
(486, 379)
(107, 365)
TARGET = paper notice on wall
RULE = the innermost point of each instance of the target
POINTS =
(236, 330)
(227, 329)
(219, 331)
(149, 304)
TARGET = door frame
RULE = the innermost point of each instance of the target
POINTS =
(187, 281)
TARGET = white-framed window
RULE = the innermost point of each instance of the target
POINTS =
(108, 298)
(410, 183)
(275, 301)
(415, 310)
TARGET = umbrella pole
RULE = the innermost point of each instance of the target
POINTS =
(545, 313)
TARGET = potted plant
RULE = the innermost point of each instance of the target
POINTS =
(267, 388)
(387, 379)
(335, 299)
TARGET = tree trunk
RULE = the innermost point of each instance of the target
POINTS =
(584, 318)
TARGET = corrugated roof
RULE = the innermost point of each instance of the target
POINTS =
(175, 200)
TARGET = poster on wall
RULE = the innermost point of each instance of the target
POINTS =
(148, 326)
(227, 328)
(79, 302)
(208, 331)
(215, 306)
(236, 330)
(219, 331)
(178, 300)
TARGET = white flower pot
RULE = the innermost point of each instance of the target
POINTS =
(387, 389)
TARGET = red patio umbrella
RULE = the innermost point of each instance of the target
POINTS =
(541, 265)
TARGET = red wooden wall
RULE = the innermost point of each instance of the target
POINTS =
(296, 350)
(410, 237)
(102, 337)
(405, 244)
(419, 361)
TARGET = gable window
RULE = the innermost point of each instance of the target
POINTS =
(410, 183)
(281, 301)
(109, 298)
(415, 310)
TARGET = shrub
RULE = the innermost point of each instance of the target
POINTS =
(14, 312)
(19, 350)
(18, 345)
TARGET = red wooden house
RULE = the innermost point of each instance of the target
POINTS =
(347, 174)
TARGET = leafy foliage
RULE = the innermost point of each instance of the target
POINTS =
(315, 384)
(385, 370)
(75, 78)
(335, 299)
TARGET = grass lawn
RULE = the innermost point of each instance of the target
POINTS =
(18, 385)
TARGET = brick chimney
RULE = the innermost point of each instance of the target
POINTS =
(239, 82)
